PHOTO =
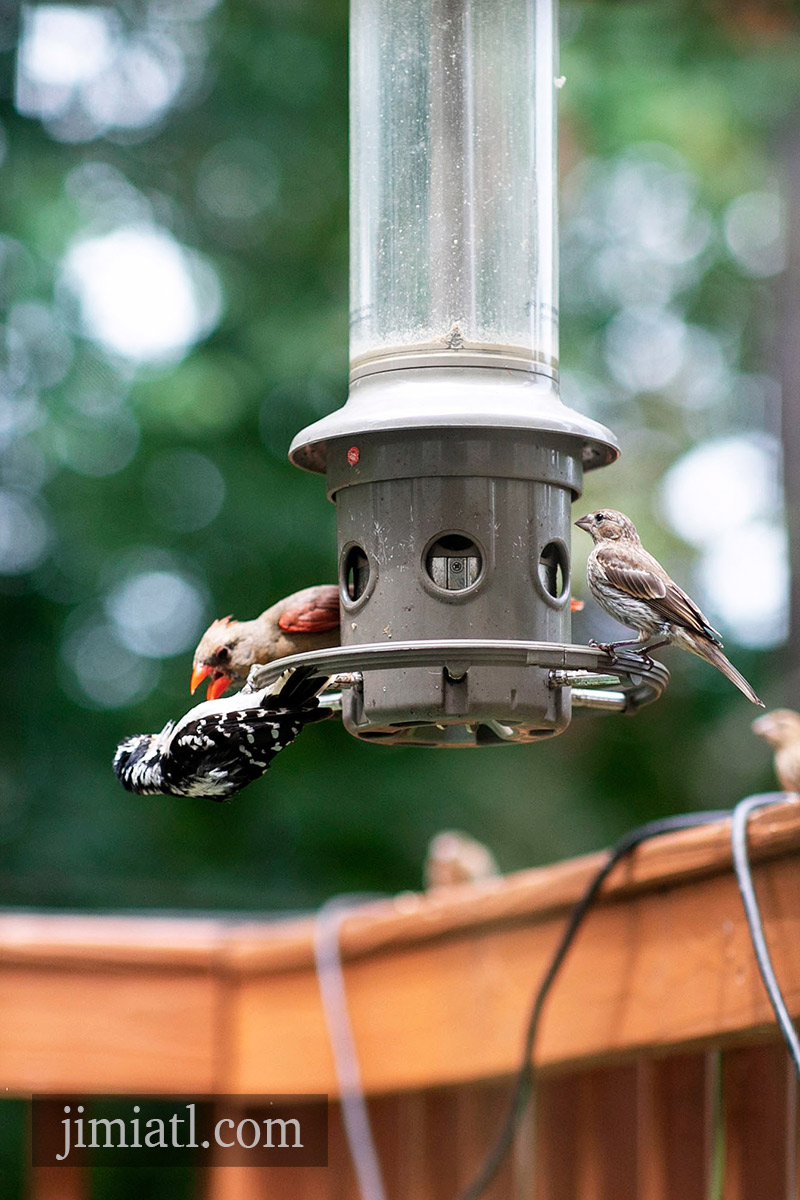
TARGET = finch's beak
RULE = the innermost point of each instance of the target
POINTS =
(217, 687)
(200, 672)
(576, 606)
(762, 725)
(585, 523)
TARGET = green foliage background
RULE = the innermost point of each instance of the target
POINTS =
(334, 815)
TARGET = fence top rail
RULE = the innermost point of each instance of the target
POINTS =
(261, 946)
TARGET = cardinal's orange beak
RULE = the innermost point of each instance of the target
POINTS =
(217, 687)
(199, 673)
(218, 684)
(576, 606)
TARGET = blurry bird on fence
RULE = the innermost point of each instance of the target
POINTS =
(635, 589)
(306, 620)
(454, 857)
(220, 746)
(781, 730)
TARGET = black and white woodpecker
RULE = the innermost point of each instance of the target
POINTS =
(220, 746)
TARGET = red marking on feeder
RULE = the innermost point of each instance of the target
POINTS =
(353, 455)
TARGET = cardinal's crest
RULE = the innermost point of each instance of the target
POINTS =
(220, 626)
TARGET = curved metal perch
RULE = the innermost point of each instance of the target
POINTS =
(620, 684)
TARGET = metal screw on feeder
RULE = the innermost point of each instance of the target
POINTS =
(454, 462)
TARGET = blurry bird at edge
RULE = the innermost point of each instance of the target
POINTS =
(306, 620)
(454, 857)
(634, 588)
(780, 729)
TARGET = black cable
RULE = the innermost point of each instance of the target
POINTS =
(523, 1083)
(744, 878)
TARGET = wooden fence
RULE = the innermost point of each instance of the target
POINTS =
(662, 1076)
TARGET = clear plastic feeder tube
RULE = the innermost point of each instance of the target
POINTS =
(453, 210)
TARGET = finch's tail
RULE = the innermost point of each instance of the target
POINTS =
(712, 654)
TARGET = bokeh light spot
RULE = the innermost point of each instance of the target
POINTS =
(184, 490)
(238, 180)
(47, 344)
(645, 347)
(755, 233)
(724, 497)
(157, 614)
(722, 483)
(142, 294)
(24, 533)
(63, 46)
(109, 674)
(97, 447)
(85, 72)
(744, 574)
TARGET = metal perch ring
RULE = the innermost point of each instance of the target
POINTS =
(623, 683)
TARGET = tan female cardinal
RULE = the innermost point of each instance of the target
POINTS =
(307, 620)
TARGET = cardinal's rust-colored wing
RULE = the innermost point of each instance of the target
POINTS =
(317, 612)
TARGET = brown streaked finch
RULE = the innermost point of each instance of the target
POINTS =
(306, 620)
(781, 730)
(634, 589)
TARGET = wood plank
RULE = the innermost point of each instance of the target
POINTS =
(431, 1144)
(439, 1145)
(233, 1183)
(556, 1106)
(397, 1123)
(270, 1183)
(59, 1183)
(438, 990)
(655, 971)
(587, 1136)
(110, 1031)
(256, 946)
(410, 919)
(225, 1182)
(760, 1124)
(90, 940)
(399, 1128)
(341, 1176)
(310, 1183)
(481, 1111)
(675, 1127)
(607, 1134)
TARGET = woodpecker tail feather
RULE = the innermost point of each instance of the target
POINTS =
(713, 655)
(296, 689)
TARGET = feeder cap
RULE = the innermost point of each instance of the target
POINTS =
(459, 397)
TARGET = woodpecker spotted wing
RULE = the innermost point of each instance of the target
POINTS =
(222, 745)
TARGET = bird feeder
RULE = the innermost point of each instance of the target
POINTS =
(454, 463)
